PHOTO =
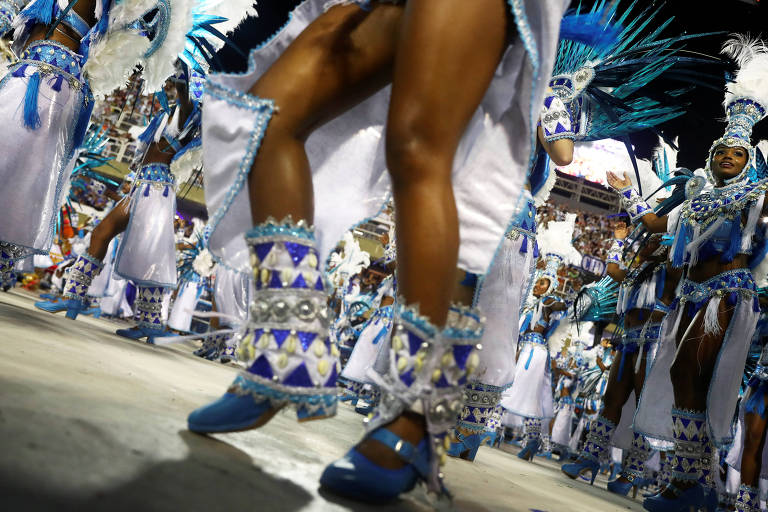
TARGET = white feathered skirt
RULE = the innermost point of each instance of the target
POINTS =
(147, 252)
(45, 104)
(346, 155)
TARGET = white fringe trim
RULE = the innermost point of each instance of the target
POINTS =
(711, 322)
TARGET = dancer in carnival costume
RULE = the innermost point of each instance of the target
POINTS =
(320, 159)
(705, 338)
(67, 50)
(646, 289)
(530, 395)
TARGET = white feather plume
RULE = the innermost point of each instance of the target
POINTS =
(234, 10)
(751, 55)
(203, 263)
(184, 166)
(556, 238)
(113, 59)
(543, 194)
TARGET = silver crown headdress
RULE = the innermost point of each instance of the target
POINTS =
(746, 102)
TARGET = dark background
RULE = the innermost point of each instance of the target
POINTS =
(696, 130)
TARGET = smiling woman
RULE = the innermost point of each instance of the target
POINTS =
(706, 335)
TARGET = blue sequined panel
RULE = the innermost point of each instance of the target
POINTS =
(534, 338)
(155, 172)
(51, 57)
(739, 282)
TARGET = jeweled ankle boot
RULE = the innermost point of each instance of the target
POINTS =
(532, 428)
(80, 276)
(546, 446)
(228, 345)
(480, 401)
(289, 358)
(596, 445)
(428, 370)
(633, 468)
(9, 254)
(747, 499)
(689, 431)
(148, 315)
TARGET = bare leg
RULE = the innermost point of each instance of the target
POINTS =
(447, 55)
(113, 224)
(346, 55)
(619, 388)
(754, 442)
(692, 369)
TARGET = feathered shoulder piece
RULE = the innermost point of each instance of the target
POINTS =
(153, 34)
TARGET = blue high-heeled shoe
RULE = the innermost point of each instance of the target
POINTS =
(234, 412)
(73, 307)
(138, 332)
(574, 469)
(527, 453)
(691, 498)
(615, 472)
(466, 447)
(94, 311)
(355, 476)
(633, 484)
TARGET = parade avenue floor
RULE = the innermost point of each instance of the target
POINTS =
(92, 421)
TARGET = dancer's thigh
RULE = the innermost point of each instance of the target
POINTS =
(340, 59)
(446, 58)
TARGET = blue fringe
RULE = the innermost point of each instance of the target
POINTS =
(524, 245)
(148, 135)
(535, 249)
(678, 251)
(734, 247)
(31, 116)
(57, 83)
(756, 401)
(146, 190)
(19, 71)
(528, 362)
(41, 11)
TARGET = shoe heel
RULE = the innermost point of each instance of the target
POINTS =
(634, 491)
(595, 471)
(471, 454)
(72, 313)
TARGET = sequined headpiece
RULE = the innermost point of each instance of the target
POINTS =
(746, 102)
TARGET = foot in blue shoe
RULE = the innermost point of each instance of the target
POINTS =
(138, 332)
(574, 469)
(230, 413)
(529, 451)
(71, 306)
(467, 445)
(358, 477)
(673, 499)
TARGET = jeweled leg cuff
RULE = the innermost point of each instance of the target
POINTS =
(286, 347)
(747, 499)
(639, 453)
(9, 253)
(81, 274)
(689, 431)
(149, 307)
(598, 439)
(480, 401)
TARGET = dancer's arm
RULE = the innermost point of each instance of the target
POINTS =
(615, 264)
(650, 220)
(560, 151)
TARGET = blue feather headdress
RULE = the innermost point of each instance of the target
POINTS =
(626, 77)
(597, 302)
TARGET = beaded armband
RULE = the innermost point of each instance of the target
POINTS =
(634, 204)
(556, 113)
(616, 253)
